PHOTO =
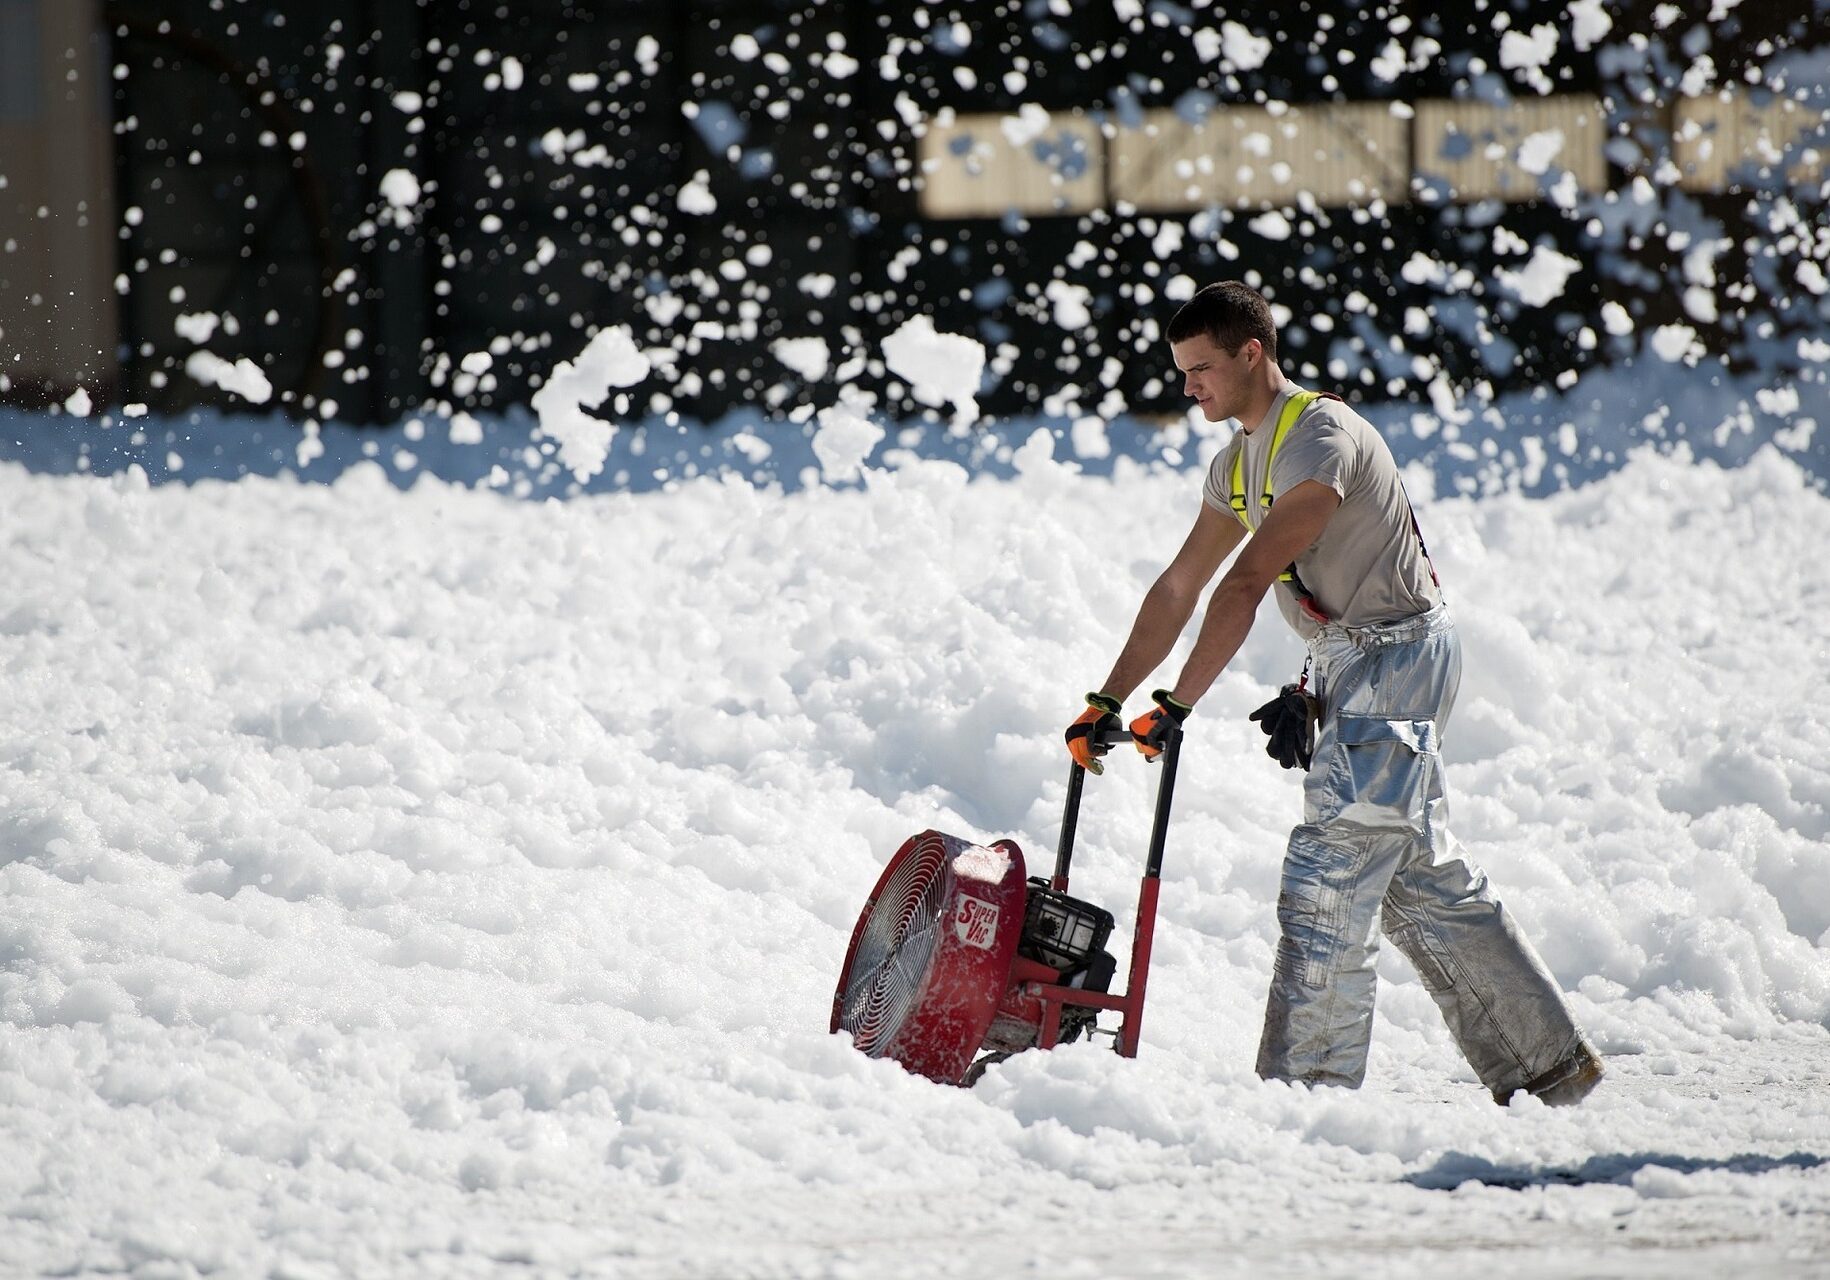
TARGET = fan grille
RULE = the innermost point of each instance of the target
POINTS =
(895, 949)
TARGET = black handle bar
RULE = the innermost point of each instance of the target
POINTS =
(1104, 739)
(1101, 742)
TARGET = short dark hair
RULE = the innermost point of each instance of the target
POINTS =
(1230, 313)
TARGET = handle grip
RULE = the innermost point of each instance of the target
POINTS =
(1101, 741)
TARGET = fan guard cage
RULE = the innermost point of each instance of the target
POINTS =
(895, 948)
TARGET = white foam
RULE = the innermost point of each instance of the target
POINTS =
(986, 865)
(610, 360)
(1243, 50)
(242, 377)
(844, 440)
(504, 855)
(198, 327)
(1542, 279)
(809, 357)
(400, 188)
(941, 368)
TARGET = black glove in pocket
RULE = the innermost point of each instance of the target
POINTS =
(1289, 721)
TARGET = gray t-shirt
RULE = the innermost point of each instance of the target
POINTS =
(1368, 565)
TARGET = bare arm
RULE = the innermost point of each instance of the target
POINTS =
(1291, 527)
(1171, 600)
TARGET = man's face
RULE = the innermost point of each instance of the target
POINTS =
(1213, 376)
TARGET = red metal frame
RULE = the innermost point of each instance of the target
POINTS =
(1129, 1003)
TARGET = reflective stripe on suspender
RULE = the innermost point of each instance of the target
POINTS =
(1292, 410)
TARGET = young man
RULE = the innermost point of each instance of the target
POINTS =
(1312, 488)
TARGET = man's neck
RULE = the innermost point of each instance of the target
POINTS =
(1261, 402)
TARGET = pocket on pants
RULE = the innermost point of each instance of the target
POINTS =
(1377, 779)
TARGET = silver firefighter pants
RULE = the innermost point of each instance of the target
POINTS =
(1374, 854)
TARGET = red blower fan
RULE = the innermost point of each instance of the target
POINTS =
(958, 952)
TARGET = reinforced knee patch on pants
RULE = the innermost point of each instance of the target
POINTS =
(1431, 964)
(1312, 909)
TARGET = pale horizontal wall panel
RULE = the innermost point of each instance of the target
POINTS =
(1258, 157)
(1716, 137)
(984, 166)
(1511, 151)
(1340, 154)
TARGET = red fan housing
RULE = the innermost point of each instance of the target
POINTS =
(930, 957)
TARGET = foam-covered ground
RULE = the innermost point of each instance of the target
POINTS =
(420, 883)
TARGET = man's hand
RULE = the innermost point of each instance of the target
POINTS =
(1100, 717)
(1153, 730)
(1289, 720)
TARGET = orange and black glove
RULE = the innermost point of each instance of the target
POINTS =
(1153, 730)
(1083, 736)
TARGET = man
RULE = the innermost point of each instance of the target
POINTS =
(1313, 491)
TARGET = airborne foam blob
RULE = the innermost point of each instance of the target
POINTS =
(400, 188)
(610, 360)
(941, 368)
(242, 377)
(809, 357)
(1543, 278)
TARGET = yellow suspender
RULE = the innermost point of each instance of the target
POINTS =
(1292, 410)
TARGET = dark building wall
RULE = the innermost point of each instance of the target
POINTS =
(551, 142)
(58, 311)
